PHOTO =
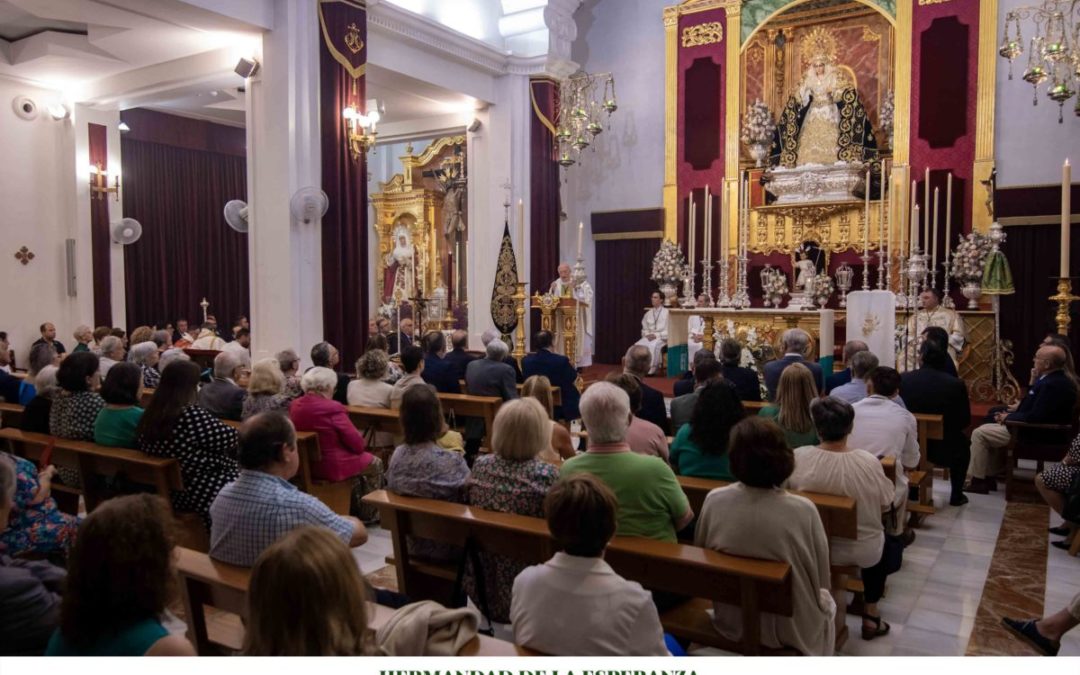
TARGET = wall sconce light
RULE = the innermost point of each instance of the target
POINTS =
(99, 183)
(59, 111)
(361, 129)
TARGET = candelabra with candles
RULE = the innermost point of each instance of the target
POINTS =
(916, 271)
(689, 299)
(741, 299)
(882, 265)
(946, 268)
(706, 284)
(865, 258)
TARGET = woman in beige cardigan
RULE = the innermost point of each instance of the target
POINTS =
(757, 518)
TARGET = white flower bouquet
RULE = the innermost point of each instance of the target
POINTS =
(758, 124)
(823, 289)
(669, 265)
(970, 256)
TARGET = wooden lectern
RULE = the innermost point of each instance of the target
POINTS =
(560, 316)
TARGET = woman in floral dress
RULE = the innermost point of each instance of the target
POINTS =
(511, 480)
(37, 525)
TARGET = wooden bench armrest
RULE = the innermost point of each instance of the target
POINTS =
(1016, 424)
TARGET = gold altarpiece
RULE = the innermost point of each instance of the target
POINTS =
(414, 201)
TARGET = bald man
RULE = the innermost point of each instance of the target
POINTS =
(1050, 399)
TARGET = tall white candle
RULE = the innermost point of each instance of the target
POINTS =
(933, 258)
(725, 219)
(926, 211)
(580, 233)
(1066, 215)
(691, 226)
(948, 216)
(866, 215)
(914, 229)
(521, 240)
(708, 224)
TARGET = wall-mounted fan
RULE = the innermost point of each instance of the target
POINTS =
(126, 231)
(236, 215)
(309, 204)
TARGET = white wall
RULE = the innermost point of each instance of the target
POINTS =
(40, 185)
(478, 19)
(624, 168)
(1030, 145)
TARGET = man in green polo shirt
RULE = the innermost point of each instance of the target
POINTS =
(651, 502)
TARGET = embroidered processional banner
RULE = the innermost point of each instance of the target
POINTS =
(871, 317)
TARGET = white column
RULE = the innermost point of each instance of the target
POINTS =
(283, 155)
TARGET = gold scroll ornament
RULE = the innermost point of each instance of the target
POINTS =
(702, 34)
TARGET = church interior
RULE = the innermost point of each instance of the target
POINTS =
(540, 327)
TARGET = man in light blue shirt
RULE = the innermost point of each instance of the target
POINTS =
(262, 505)
(862, 364)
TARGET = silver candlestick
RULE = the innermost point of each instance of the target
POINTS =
(865, 258)
(946, 269)
(723, 299)
(881, 264)
(741, 299)
(706, 281)
(844, 275)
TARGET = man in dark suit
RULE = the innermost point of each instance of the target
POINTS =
(403, 338)
(458, 358)
(492, 334)
(326, 355)
(796, 341)
(687, 383)
(932, 390)
(556, 368)
(682, 407)
(223, 396)
(437, 371)
(488, 376)
(637, 362)
(851, 348)
(1051, 399)
(745, 380)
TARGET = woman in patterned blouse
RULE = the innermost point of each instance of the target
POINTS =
(36, 525)
(511, 480)
(420, 468)
(266, 389)
(174, 426)
(75, 408)
(146, 356)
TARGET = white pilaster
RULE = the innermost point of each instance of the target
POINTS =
(283, 155)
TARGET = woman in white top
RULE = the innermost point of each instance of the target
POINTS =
(370, 391)
(575, 604)
(756, 518)
(832, 467)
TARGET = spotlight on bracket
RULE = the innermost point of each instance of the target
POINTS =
(246, 68)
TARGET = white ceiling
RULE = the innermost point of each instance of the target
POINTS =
(89, 46)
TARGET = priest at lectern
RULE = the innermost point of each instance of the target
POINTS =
(567, 286)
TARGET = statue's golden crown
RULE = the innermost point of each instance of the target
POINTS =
(819, 46)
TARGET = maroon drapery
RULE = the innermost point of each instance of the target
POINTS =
(187, 251)
(99, 230)
(345, 273)
(543, 187)
(621, 298)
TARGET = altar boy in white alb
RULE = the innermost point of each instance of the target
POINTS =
(654, 326)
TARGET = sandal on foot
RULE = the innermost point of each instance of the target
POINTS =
(880, 627)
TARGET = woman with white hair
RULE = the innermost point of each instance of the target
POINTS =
(41, 355)
(29, 589)
(289, 362)
(146, 356)
(83, 335)
(344, 454)
(170, 355)
(511, 480)
(112, 352)
(266, 389)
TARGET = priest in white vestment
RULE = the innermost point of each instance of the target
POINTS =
(695, 330)
(654, 327)
(932, 313)
(579, 289)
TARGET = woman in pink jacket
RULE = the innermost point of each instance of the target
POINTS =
(344, 453)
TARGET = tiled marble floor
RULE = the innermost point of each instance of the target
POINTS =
(932, 601)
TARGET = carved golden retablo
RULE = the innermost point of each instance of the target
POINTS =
(702, 34)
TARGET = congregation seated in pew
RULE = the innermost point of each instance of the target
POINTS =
(116, 423)
(795, 391)
(76, 406)
(643, 437)
(561, 446)
(370, 390)
(265, 390)
(224, 395)
(36, 414)
(701, 447)
(33, 524)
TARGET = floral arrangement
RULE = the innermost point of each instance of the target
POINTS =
(774, 286)
(887, 115)
(668, 265)
(823, 289)
(756, 348)
(969, 259)
(758, 125)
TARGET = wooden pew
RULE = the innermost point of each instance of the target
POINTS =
(467, 405)
(755, 586)
(838, 513)
(372, 420)
(338, 495)
(11, 415)
(208, 583)
(203, 357)
(147, 396)
(556, 392)
(931, 428)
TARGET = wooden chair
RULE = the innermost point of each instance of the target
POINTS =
(11, 415)
(755, 586)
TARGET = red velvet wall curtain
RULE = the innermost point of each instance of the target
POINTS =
(621, 298)
(99, 231)
(345, 273)
(543, 186)
(187, 251)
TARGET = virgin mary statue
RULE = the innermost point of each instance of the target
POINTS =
(824, 122)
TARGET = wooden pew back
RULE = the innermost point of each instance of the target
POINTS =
(11, 415)
(754, 585)
(467, 405)
(206, 582)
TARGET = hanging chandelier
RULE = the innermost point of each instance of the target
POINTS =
(1054, 52)
(583, 100)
